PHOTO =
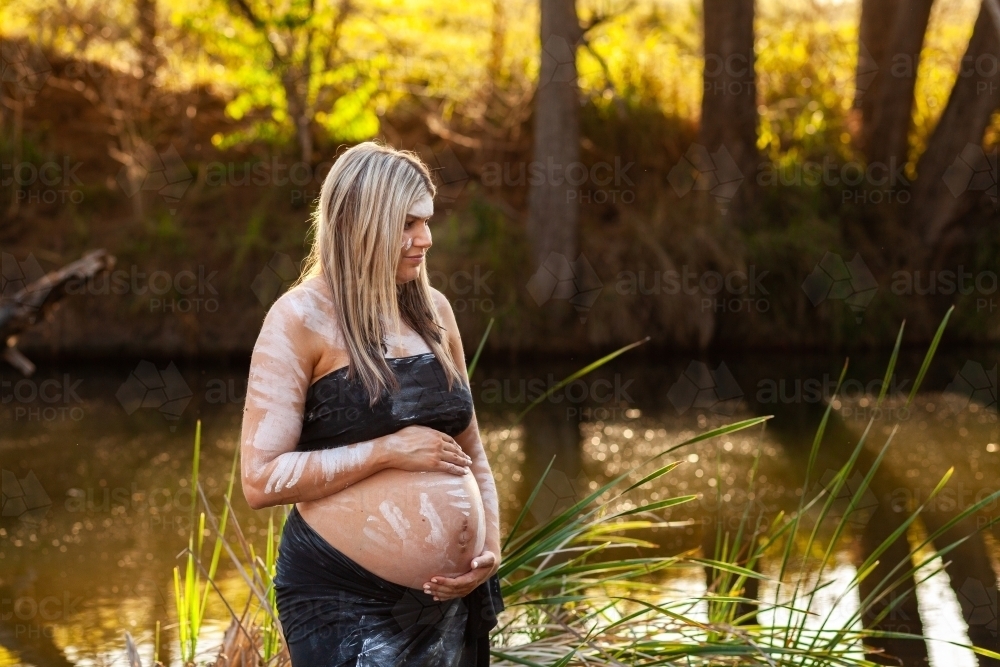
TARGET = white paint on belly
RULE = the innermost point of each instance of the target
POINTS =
(395, 517)
(427, 511)
(375, 536)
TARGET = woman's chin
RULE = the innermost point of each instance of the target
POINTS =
(407, 275)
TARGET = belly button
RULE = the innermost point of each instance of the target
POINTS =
(463, 535)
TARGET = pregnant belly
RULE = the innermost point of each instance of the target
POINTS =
(404, 526)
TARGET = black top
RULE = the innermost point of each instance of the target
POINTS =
(337, 411)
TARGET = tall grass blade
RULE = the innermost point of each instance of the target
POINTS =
(929, 356)
(479, 349)
(578, 374)
(892, 365)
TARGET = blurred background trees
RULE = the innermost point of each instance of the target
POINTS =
(711, 136)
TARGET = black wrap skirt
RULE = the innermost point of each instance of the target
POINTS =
(335, 613)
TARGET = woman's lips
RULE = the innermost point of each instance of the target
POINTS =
(415, 260)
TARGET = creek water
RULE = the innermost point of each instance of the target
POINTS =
(96, 464)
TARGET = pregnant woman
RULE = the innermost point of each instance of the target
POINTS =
(359, 412)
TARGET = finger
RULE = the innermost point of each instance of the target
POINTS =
(453, 469)
(448, 596)
(484, 560)
(460, 586)
(449, 443)
(453, 448)
(451, 457)
(440, 586)
(440, 593)
(450, 584)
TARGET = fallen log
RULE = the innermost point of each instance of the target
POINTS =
(38, 300)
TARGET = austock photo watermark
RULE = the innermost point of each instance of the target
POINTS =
(51, 182)
(468, 291)
(560, 279)
(177, 291)
(583, 399)
(852, 281)
(23, 64)
(48, 400)
(166, 391)
(973, 170)
(24, 499)
(29, 617)
(703, 388)
(275, 278)
(975, 388)
(714, 172)
(722, 74)
(731, 292)
(166, 173)
(161, 508)
(182, 291)
(16, 275)
(717, 173)
(716, 390)
(607, 182)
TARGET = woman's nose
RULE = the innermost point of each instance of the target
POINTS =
(422, 238)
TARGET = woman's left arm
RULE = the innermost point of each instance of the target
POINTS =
(471, 442)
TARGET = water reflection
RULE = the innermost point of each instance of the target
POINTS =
(92, 555)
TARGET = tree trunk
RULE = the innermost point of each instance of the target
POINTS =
(553, 207)
(151, 58)
(889, 101)
(944, 171)
(874, 33)
(729, 118)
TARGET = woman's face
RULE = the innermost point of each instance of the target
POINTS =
(416, 239)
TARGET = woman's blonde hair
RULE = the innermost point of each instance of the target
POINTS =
(357, 233)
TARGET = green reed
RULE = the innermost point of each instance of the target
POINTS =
(191, 591)
(568, 604)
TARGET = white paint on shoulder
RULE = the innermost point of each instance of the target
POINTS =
(315, 310)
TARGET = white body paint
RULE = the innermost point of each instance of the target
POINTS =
(395, 517)
(346, 515)
(337, 460)
(436, 536)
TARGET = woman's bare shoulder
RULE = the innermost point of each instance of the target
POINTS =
(308, 306)
(446, 316)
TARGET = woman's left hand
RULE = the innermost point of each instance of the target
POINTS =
(446, 588)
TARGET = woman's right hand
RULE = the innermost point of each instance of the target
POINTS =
(422, 449)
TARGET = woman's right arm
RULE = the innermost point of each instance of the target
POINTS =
(273, 473)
